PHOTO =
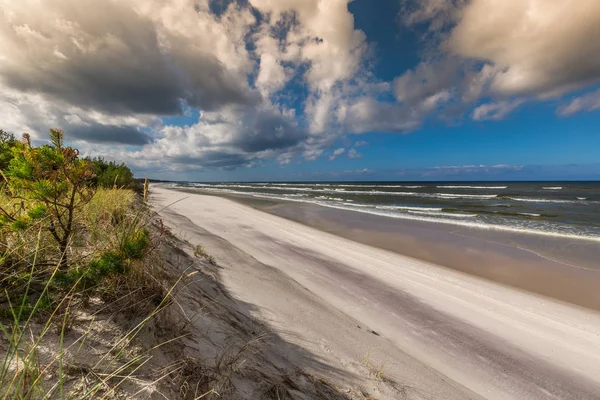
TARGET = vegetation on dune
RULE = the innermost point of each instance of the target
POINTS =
(90, 309)
(110, 174)
(50, 183)
(7, 142)
(66, 239)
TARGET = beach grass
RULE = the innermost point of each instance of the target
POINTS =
(98, 298)
(111, 266)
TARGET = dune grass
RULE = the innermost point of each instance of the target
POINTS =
(110, 265)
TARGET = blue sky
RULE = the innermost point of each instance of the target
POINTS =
(312, 89)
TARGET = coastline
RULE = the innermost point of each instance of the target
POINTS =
(562, 269)
(490, 340)
(302, 327)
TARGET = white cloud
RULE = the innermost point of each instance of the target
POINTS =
(540, 47)
(525, 49)
(352, 153)
(366, 114)
(324, 37)
(587, 102)
(426, 80)
(232, 137)
(272, 76)
(109, 75)
(495, 111)
(336, 153)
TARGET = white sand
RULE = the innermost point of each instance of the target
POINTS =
(495, 341)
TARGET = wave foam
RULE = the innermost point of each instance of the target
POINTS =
(537, 200)
(467, 196)
(443, 214)
(432, 214)
(469, 224)
(471, 187)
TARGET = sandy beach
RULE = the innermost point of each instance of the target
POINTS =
(439, 332)
(563, 269)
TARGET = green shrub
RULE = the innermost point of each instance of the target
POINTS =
(7, 142)
(110, 174)
(105, 266)
(110, 263)
(52, 183)
(133, 245)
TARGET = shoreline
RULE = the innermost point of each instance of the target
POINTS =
(363, 365)
(565, 270)
(492, 340)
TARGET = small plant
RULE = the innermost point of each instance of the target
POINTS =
(134, 244)
(51, 183)
(375, 370)
(108, 264)
(201, 253)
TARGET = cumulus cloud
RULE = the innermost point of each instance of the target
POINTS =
(366, 114)
(122, 57)
(426, 81)
(526, 49)
(109, 74)
(322, 34)
(277, 80)
(233, 136)
(33, 113)
(539, 47)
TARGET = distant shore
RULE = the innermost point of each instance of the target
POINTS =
(564, 269)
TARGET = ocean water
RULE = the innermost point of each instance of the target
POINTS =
(562, 209)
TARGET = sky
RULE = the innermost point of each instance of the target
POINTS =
(265, 90)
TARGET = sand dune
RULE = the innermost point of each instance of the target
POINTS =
(494, 341)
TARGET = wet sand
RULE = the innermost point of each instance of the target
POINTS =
(564, 269)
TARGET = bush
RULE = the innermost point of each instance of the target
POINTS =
(52, 203)
(110, 174)
(107, 265)
(51, 183)
(7, 142)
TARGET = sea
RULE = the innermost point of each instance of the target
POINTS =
(560, 209)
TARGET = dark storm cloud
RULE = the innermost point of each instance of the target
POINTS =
(109, 134)
(268, 131)
(212, 159)
(113, 60)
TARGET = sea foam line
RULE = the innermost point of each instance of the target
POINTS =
(358, 192)
(469, 224)
(457, 222)
(537, 200)
(471, 187)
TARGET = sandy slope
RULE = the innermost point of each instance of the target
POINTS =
(495, 341)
